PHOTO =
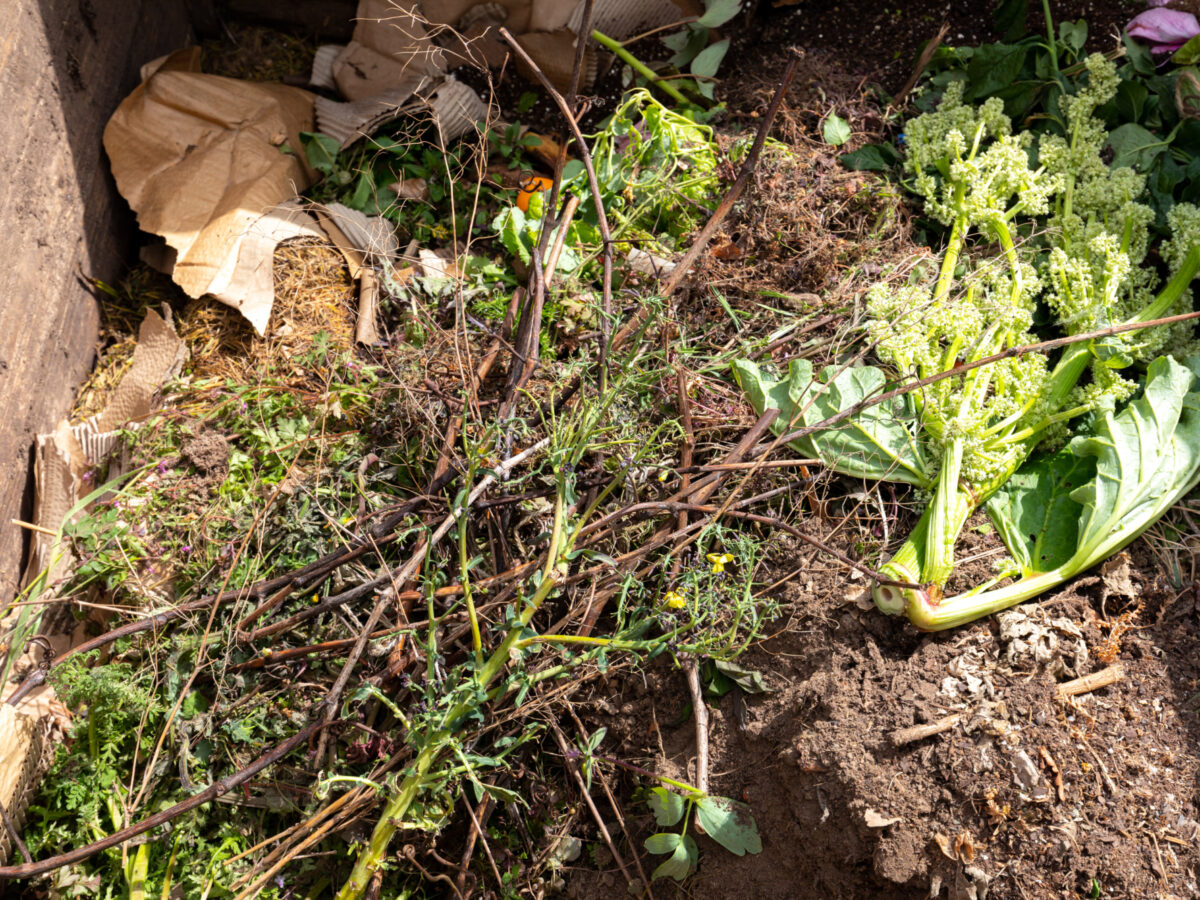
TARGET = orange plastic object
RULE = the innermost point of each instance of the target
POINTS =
(534, 184)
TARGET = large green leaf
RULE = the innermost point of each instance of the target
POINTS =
(1135, 147)
(729, 824)
(1035, 514)
(1145, 458)
(880, 442)
(708, 60)
(994, 67)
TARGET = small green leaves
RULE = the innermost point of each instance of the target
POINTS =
(321, 151)
(664, 842)
(684, 854)
(726, 822)
(836, 130)
(729, 824)
(718, 12)
(708, 60)
(667, 807)
(749, 680)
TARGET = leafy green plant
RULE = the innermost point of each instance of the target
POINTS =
(694, 47)
(657, 170)
(368, 177)
(725, 821)
(1084, 234)
(519, 231)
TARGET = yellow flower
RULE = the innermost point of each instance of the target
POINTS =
(347, 520)
(315, 599)
(664, 475)
(674, 600)
(718, 561)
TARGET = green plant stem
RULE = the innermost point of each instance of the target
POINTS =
(905, 565)
(610, 643)
(951, 507)
(371, 858)
(638, 66)
(1052, 44)
(465, 576)
(690, 791)
(1174, 288)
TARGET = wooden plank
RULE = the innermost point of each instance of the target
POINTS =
(64, 67)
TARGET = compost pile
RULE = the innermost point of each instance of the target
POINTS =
(525, 479)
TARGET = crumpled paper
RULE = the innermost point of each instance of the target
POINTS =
(213, 165)
(202, 161)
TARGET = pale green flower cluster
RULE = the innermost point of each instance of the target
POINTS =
(1046, 227)
(921, 335)
(1183, 223)
(1099, 234)
(1076, 156)
(977, 177)
(969, 166)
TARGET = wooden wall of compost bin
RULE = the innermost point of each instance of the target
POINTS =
(64, 67)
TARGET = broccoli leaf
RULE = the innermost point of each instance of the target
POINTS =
(878, 443)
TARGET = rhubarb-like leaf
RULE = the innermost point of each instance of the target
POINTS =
(1035, 514)
(879, 442)
(1145, 459)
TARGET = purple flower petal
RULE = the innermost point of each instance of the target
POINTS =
(1166, 30)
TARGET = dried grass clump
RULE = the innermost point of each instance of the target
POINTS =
(256, 53)
(811, 226)
(313, 294)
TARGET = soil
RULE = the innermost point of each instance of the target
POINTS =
(976, 810)
(209, 453)
(1027, 795)
(881, 41)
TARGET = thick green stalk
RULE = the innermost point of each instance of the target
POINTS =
(950, 509)
(638, 66)
(954, 245)
(935, 614)
(905, 565)
(1174, 289)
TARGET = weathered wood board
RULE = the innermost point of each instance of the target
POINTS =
(64, 67)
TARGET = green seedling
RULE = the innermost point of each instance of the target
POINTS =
(725, 821)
